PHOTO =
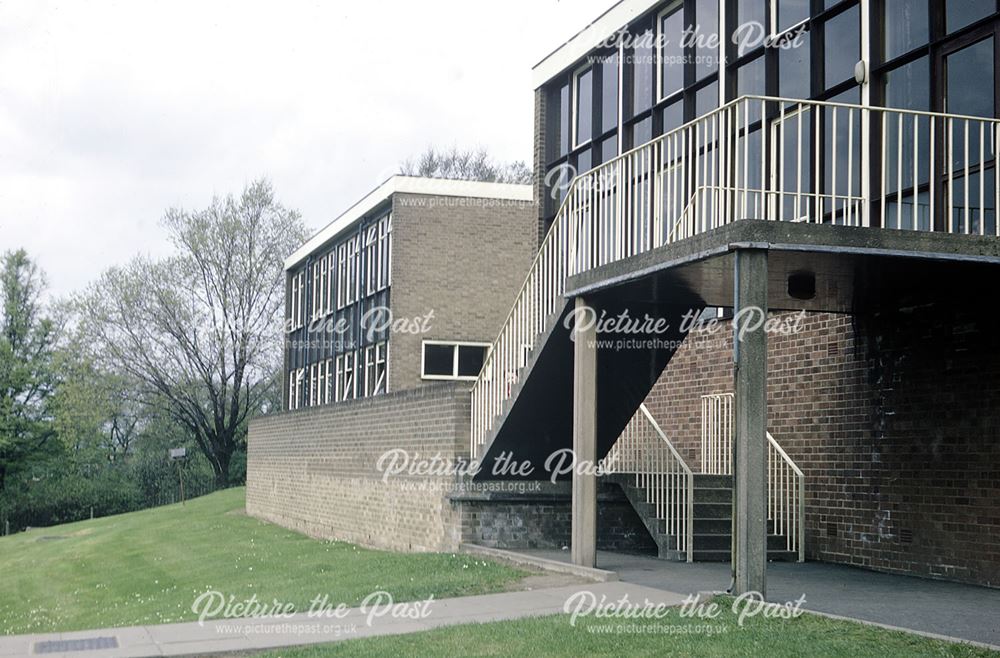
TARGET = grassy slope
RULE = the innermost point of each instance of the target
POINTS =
(148, 567)
(808, 635)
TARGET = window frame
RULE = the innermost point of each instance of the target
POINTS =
(575, 102)
(454, 365)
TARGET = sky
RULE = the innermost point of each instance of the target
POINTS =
(112, 112)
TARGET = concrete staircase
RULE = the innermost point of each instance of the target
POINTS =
(712, 521)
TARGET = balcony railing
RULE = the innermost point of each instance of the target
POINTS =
(757, 158)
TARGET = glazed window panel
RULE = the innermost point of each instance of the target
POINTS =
(564, 119)
(642, 72)
(789, 13)
(961, 13)
(583, 110)
(906, 27)
(793, 69)
(609, 93)
(672, 52)
(842, 46)
(707, 22)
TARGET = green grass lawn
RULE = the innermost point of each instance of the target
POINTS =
(148, 567)
(808, 635)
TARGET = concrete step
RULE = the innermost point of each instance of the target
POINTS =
(713, 495)
(707, 510)
(713, 481)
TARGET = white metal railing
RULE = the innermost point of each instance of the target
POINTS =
(785, 481)
(786, 495)
(754, 157)
(717, 434)
(644, 451)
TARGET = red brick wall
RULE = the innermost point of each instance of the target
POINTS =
(895, 424)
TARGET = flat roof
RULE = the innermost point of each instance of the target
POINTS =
(584, 41)
(408, 185)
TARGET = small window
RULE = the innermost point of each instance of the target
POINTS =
(453, 360)
(439, 360)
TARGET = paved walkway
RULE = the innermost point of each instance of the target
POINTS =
(247, 635)
(929, 606)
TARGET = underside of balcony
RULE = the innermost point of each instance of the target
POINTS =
(812, 267)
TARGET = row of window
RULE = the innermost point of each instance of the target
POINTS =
(926, 55)
(352, 375)
(611, 103)
(359, 266)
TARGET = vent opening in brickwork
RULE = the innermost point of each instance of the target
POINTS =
(831, 529)
(905, 536)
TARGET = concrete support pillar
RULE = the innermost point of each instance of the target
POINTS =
(750, 458)
(583, 545)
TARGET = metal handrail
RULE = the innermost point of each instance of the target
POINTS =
(785, 480)
(786, 508)
(660, 472)
(702, 175)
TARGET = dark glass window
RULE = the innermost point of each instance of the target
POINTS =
(583, 161)
(750, 26)
(750, 81)
(609, 148)
(609, 93)
(672, 77)
(642, 70)
(909, 87)
(905, 26)
(750, 78)
(960, 13)
(842, 46)
(793, 69)
(564, 117)
(969, 76)
(672, 116)
(707, 21)
(791, 12)
(706, 99)
(470, 360)
(642, 132)
(584, 109)
(439, 360)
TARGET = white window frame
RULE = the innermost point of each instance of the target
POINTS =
(773, 27)
(454, 367)
(574, 109)
(676, 6)
(376, 355)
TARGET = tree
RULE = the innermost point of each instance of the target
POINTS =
(98, 415)
(473, 164)
(200, 332)
(27, 341)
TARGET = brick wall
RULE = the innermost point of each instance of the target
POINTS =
(895, 421)
(461, 257)
(314, 470)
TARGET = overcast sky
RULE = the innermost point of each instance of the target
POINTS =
(111, 112)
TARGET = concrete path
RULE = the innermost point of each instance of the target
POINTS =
(253, 634)
(928, 606)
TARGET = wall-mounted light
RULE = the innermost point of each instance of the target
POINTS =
(861, 72)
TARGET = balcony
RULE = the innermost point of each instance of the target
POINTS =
(757, 158)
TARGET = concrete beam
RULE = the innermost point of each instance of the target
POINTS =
(750, 458)
(583, 546)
